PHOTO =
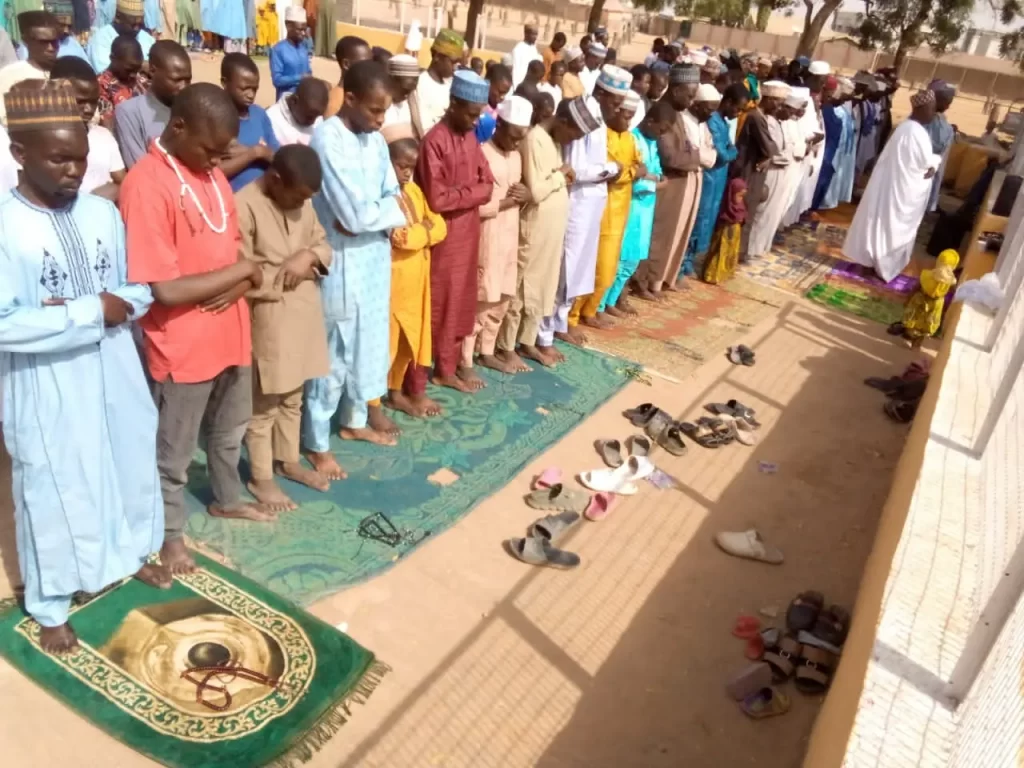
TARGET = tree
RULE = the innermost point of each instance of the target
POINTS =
(903, 25)
(1012, 44)
(476, 7)
(814, 22)
(595, 16)
(765, 8)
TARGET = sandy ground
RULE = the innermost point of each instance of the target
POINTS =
(620, 662)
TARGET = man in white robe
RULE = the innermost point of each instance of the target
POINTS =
(812, 129)
(768, 180)
(593, 59)
(524, 52)
(890, 212)
(80, 423)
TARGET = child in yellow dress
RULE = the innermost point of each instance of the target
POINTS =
(724, 253)
(410, 276)
(923, 314)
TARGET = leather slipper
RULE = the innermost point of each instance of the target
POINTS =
(537, 551)
(610, 452)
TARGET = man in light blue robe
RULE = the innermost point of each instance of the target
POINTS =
(941, 134)
(845, 163)
(79, 422)
(358, 204)
(128, 20)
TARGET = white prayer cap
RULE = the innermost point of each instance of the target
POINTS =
(515, 110)
(698, 57)
(819, 68)
(571, 53)
(775, 89)
(295, 13)
(798, 92)
(631, 103)
(795, 102)
(707, 92)
(414, 40)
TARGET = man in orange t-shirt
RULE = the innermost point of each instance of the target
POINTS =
(183, 240)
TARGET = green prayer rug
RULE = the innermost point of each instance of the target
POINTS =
(871, 305)
(215, 671)
(440, 469)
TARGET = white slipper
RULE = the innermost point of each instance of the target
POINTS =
(748, 544)
(620, 480)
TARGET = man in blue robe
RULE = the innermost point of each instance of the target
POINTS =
(840, 188)
(127, 21)
(358, 205)
(832, 118)
(289, 59)
(79, 422)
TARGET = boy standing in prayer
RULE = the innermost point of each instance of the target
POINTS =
(123, 79)
(499, 233)
(296, 115)
(457, 180)
(433, 92)
(78, 421)
(405, 72)
(281, 233)
(39, 33)
(349, 50)
(358, 205)
(183, 239)
(410, 274)
(500, 79)
(250, 154)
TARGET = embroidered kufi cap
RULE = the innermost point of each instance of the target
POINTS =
(62, 9)
(714, 68)
(775, 89)
(40, 105)
(571, 53)
(449, 43)
(919, 99)
(631, 103)
(614, 79)
(795, 102)
(596, 49)
(941, 86)
(682, 74)
(295, 13)
(582, 116)
(515, 110)
(707, 92)
(132, 8)
(661, 66)
(469, 86)
(403, 65)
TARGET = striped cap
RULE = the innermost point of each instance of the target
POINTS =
(582, 116)
(631, 103)
(132, 8)
(40, 105)
(448, 43)
(62, 9)
(403, 65)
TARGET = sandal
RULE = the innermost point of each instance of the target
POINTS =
(536, 551)
(815, 671)
(599, 507)
(557, 498)
(899, 411)
(658, 423)
(783, 658)
(610, 451)
(672, 441)
(767, 702)
(641, 414)
(719, 427)
(638, 445)
(746, 354)
(741, 411)
(552, 527)
(803, 612)
(749, 681)
(702, 435)
(549, 477)
(832, 625)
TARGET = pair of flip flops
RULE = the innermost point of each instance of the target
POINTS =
(538, 547)
(611, 450)
(549, 493)
(621, 480)
(741, 355)
(709, 432)
(660, 426)
(752, 688)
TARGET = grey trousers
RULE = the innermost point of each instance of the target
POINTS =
(222, 407)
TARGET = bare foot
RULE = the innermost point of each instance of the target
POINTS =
(625, 307)
(381, 422)
(670, 287)
(243, 510)
(453, 382)
(471, 378)
(417, 406)
(534, 353)
(328, 466)
(551, 353)
(155, 575)
(367, 435)
(176, 558)
(513, 361)
(301, 474)
(643, 292)
(615, 312)
(58, 640)
(597, 321)
(682, 284)
(496, 364)
(269, 494)
(574, 336)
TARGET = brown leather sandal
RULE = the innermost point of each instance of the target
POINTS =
(814, 674)
(783, 658)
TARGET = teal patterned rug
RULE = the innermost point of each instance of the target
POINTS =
(439, 471)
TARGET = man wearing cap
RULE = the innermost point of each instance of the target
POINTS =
(127, 21)
(499, 80)
(941, 133)
(812, 130)
(834, 117)
(433, 92)
(289, 61)
(695, 120)
(869, 114)
(845, 162)
(39, 32)
(789, 115)
(499, 233)
(523, 53)
(69, 45)
(575, 61)
(456, 179)
(79, 422)
(894, 202)
(593, 60)
(767, 172)
(405, 75)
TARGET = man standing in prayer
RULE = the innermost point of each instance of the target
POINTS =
(593, 60)
(714, 178)
(767, 181)
(456, 179)
(869, 113)
(500, 79)
(250, 154)
(890, 212)
(941, 133)
(67, 43)
(838, 124)
(625, 154)
(78, 422)
(695, 120)
(123, 80)
(676, 208)
(553, 52)
(405, 73)
(281, 233)
(182, 239)
(542, 232)
(127, 21)
(572, 86)
(358, 205)
(840, 189)
(297, 115)
(39, 31)
(789, 115)
(523, 53)
(142, 118)
(433, 92)
(289, 60)
(349, 50)
(553, 85)
(812, 131)
(499, 233)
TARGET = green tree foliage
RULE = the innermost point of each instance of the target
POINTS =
(765, 9)
(903, 25)
(1012, 44)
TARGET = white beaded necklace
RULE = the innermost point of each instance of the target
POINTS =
(185, 187)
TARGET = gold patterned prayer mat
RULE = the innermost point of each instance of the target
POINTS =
(799, 258)
(215, 671)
